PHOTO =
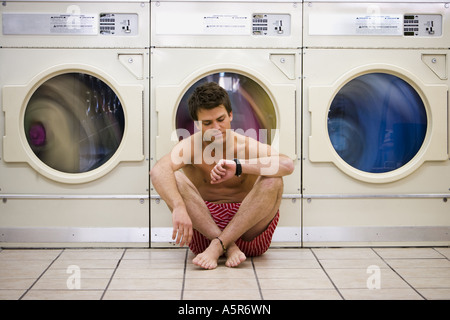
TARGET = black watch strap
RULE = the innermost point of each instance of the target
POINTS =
(238, 167)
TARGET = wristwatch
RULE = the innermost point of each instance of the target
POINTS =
(238, 167)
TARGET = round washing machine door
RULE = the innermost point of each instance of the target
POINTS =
(377, 123)
(74, 123)
(253, 110)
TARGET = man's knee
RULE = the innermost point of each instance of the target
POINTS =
(183, 183)
(271, 184)
(181, 179)
(179, 176)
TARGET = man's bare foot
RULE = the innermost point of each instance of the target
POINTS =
(234, 256)
(208, 258)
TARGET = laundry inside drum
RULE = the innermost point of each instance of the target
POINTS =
(74, 122)
(253, 110)
(377, 123)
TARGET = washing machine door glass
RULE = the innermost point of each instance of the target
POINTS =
(74, 122)
(253, 110)
(377, 123)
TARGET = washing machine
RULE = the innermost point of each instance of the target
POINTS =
(253, 50)
(74, 123)
(376, 167)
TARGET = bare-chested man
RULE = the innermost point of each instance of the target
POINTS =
(226, 198)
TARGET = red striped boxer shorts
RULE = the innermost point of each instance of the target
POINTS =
(222, 213)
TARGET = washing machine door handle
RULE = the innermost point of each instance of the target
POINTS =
(13, 143)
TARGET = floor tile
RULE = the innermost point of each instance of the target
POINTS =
(85, 264)
(293, 273)
(145, 284)
(16, 283)
(287, 254)
(408, 253)
(444, 251)
(63, 295)
(408, 273)
(24, 254)
(344, 253)
(286, 264)
(151, 263)
(11, 294)
(40, 265)
(91, 254)
(353, 264)
(198, 284)
(149, 273)
(242, 294)
(142, 295)
(155, 254)
(22, 271)
(68, 284)
(418, 263)
(380, 294)
(169, 274)
(365, 279)
(429, 283)
(309, 294)
(84, 273)
(435, 294)
(295, 283)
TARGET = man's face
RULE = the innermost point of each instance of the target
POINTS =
(214, 123)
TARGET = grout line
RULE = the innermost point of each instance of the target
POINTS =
(184, 274)
(398, 274)
(332, 282)
(257, 280)
(40, 276)
(114, 272)
(443, 256)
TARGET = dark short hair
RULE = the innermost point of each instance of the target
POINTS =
(208, 96)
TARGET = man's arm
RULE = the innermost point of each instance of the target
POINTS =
(278, 165)
(273, 166)
(164, 181)
(260, 160)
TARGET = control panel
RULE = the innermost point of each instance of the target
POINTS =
(422, 25)
(271, 24)
(118, 24)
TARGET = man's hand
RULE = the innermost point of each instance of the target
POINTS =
(224, 170)
(182, 227)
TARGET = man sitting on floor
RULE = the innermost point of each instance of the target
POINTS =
(226, 198)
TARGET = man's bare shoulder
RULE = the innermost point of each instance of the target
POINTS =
(251, 146)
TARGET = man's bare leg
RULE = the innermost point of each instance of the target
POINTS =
(204, 223)
(253, 217)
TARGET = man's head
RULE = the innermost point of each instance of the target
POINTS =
(208, 96)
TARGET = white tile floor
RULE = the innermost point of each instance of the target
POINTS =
(168, 274)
